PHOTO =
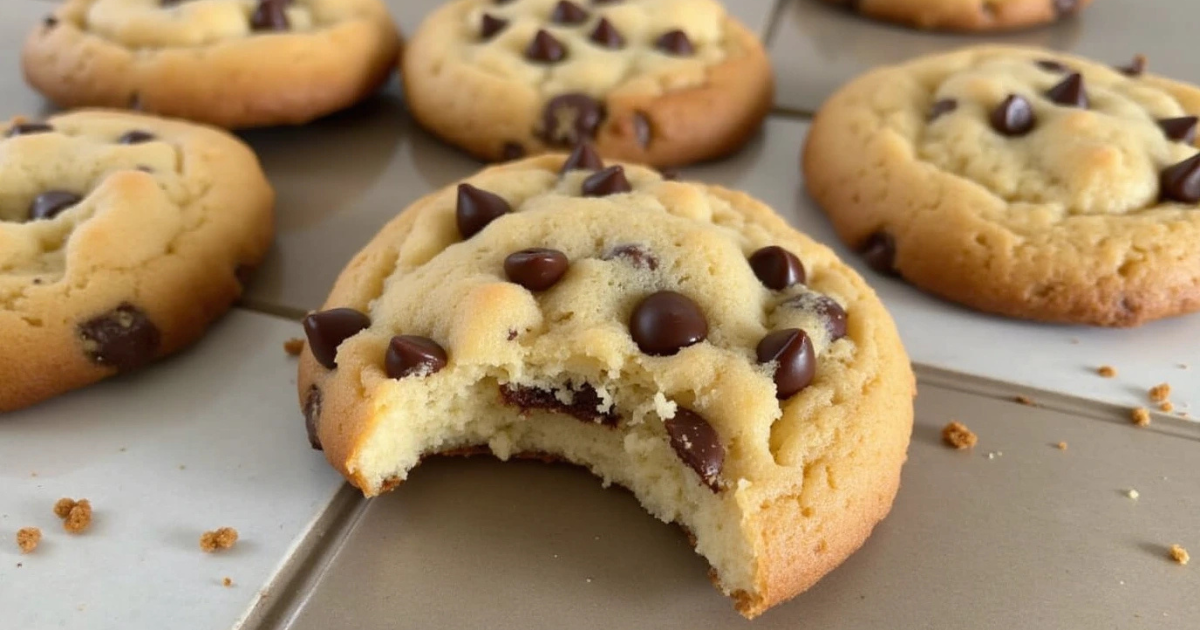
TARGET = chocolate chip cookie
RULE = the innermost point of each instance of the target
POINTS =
(662, 82)
(231, 63)
(122, 237)
(1019, 181)
(675, 338)
(965, 15)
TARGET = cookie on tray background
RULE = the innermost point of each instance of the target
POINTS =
(678, 339)
(965, 15)
(231, 63)
(661, 82)
(122, 237)
(1019, 181)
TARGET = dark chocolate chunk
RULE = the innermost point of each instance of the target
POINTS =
(477, 208)
(1181, 182)
(512, 151)
(585, 402)
(607, 35)
(490, 25)
(327, 330)
(583, 158)
(666, 322)
(28, 129)
(270, 15)
(571, 118)
(123, 338)
(136, 137)
(610, 181)
(566, 12)
(879, 252)
(777, 268)
(312, 416)
(545, 48)
(1013, 117)
(696, 443)
(636, 255)
(942, 107)
(641, 129)
(675, 43)
(1181, 129)
(796, 360)
(537, 268)
(1064, 7)
(1136, 67)
(1069, 92)
(50, 203)
(409, 354)
(1050, 65)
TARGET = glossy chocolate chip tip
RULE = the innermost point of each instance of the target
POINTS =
(879, 252)
(1182, 129)
(698, 445)
(123, 338)
(270, 15)
(607, 35)
(1013, 116)
(545, 48)
(794, 357)
(51, 204)
(312, 416)
(675, 43)
(1136, 68)
(666, 322)
(1070, 91)
(1181, 182)
(326, 330)
(583, 158)
(777, 268)
(477, 208)
(609, 181)
(136, 136)
(490, 25)
(566, 12)
(28, 129)
(536, 268)
(409, 355)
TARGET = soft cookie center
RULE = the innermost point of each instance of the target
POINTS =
(176, 23)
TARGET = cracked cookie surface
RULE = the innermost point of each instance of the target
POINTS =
(1019, 181)
(230, 63)
(965, 15)
(677, 339)
(661, 82)
(122, 237)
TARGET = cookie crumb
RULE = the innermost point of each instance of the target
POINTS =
(957, 434)
(1062, 446)
(1179, 554)
(223, 538)
(227, 582)
(63, 507)
(1160, 392)
(1024, 400)
(1166, 406)
(1107, 371)
(1141, 416)
(1132, 494)
(28, 539)
(76, 515)
(294, 346)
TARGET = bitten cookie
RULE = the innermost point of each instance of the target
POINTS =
(230, 63)
(677, 339)
(966, 15)
(662, 82)
(122, 237)
(1019, 181)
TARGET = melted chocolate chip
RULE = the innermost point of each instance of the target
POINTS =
(409, 354)
(666, 322)
(512, 151)
(641, 129)
(635, 255)
(879, 252)
(327, 330)
(583, 158)
(477, 208)
(536, 269)
(270, 15)
(1069, 92)
(1179, 129)
(696, 443)
(50, 203)
(831, 314)
(777, 268)
(545, 48)
(568, 13)
(941, 108)
(1050, 65)
(28, 129)
(571, 118)
(1013, 117)
(796, 360)
(1136, 67)
(610, 181)
(1181, 182)
(1064, 7)
(123, 338)
(675, 43)
(136, 137)
(490, 25)
(585, 402)
(607, 35)
(312, 416)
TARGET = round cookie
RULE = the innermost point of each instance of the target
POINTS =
(1019, 181)
(122, 237)
(677, 339)
(966, 15)
(661, 82)
(231, 63)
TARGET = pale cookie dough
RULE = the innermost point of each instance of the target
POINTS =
(965, 15)
(230, 63)
(662, 82)
(1019, 181)
(122, 237)
(677, 339)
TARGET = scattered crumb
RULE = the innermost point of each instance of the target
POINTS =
(76, 515)
(1183, 366)
(63, 507)
(957, 434)
(182, 467)
(32, 473)
(28, 539)
(1107, 371)
(222, 538)
(1132, 494)
(1024, 400)
(1166, 406)
(1141, 416)
(589, 580)
(227, 582)
(995, 454)
(1062, 446)
(1179, 554)
(294, 346)
(1160, 392)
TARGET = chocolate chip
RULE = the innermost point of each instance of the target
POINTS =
(490, 25)
(1063, 7)
(696, 443)
(271, 15)
(123, 338)
(50, 203)
(1136, 67)
(50, 21)
(585, 402)
(583, 158)
(571, 118)
(1179, 129)
(136, 137)
(1181, 182)
(409, 354)
(669, 174)
(545, 48)
(1069, 92)
(675, 43)
(777, 268)
(27, 129)
(312, 416)
(512, 151)
(879, 252)
(477, 208)
(568, 13)
(537, 268)
(796, 360)
(1050, 65)
(610, 181)
(607, 35)
(831, 314)
(666, 322)
(641, 129)
(327, 330)
(636, 255)
(1013, 117)
(942, 107)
